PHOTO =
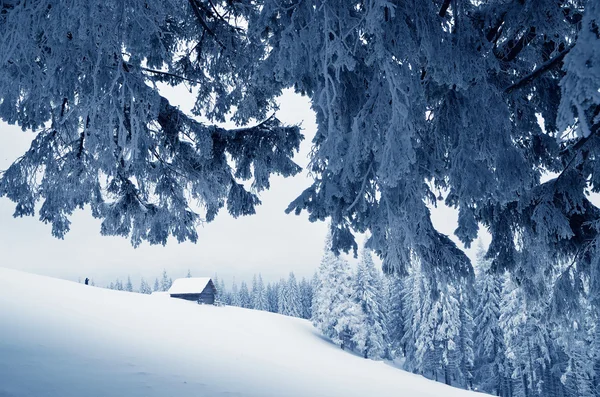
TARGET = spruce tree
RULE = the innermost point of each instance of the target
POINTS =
(488, 336)
(144, 287)
(367, 293)
(306, 296)
(334, 312)
(259, 294)
(245, 300)
(166, 282)
(129, 285)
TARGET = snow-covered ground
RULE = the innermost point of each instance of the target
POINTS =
(62, 339)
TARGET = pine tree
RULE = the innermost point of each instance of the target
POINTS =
(395, 315)
(334, 312)
(166, 282)
(488, 337)
(235, 295)
(244, 296)
(367, 293)
(464, 349)
(289, 297)
(525, 339)
(156, 286)
(189, 274)
(281, 296)
(144, 287)
(129, 285)
(273, 297)
(259, 294)
(224, 295)
(306, 296)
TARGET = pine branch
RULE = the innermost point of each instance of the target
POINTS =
(196, 9)
(538, 72)
(176, 76)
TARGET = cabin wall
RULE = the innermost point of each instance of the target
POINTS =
(206, 297)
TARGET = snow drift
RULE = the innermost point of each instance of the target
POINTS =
(59, 338)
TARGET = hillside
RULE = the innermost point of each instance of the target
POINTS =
(63, 339)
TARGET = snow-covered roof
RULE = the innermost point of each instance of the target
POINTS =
(191, 285)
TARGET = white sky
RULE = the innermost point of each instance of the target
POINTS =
(270, 242)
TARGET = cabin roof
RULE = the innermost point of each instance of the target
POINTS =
(191, 285)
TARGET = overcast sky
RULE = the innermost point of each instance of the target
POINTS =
(270, 242)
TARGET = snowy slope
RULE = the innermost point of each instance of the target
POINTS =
(63, 339)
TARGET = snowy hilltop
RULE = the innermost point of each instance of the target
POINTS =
(78, 340)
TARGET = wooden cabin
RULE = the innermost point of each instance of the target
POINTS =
(197, 289)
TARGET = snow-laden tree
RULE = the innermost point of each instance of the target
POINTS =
(235, 295)
(465, 355)
(306, 295)
(259, 294)
(526, 340)
(189, 274)
(394, 287)
(368, 294)
(156, 286)
(165, 281)
(145, 287)
(334, 312)
(414, 101)
(245, 300)
(289, 297)
(84, 74)
(129, 285)
(488, 338)
(273, 297)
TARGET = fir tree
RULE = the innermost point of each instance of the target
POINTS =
(144, 287)
(259, 294)
(306, 296)
(245, 300)
(488, 337)
(235, 295)
(334, 312)
(367, 293)
(156, 286)
(289, 298)
(273, 297)
(165, 282)
(129, 285)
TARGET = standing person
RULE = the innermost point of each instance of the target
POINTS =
(87, 281)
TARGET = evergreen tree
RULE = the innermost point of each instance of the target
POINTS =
(129, 285)
(144, 287)
(224, 295)
(306, 296)
(281, 296)
(289, 297)
(166, 282)
(156, 286)
(235, 295)
(334, 311)
(525, 340)
(367, 293)
(245, 300)
(259, 294)
(395, 315)
(273, 297)
(464, 348)
(488, 337)
(189, 274)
